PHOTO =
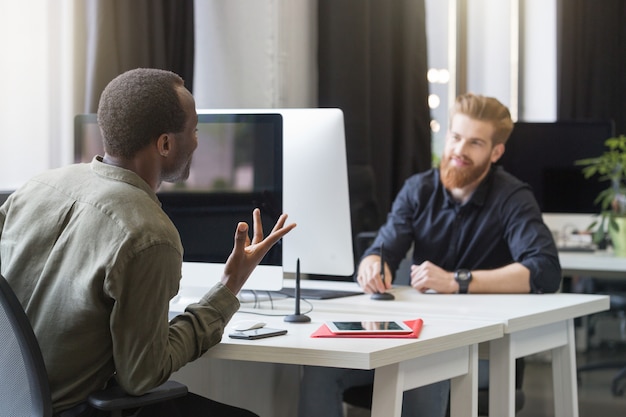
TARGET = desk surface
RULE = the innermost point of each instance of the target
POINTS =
(446, 349)
(297, 347)
(515, 311)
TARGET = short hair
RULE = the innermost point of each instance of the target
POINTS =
(137, 107)
(487, 109)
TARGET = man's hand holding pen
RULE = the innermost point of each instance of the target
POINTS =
(369, 275)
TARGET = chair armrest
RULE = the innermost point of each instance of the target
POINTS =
(115, 398)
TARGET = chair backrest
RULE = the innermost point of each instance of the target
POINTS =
(24, 389)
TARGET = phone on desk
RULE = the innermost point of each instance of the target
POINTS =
(256, 333)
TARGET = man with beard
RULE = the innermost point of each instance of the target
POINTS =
(95, 261)
(474, 229)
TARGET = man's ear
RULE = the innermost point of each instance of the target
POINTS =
(164, 144)
(497, 152)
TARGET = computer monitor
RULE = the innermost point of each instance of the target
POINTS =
(237, 167)
(315, 190)
(544, 155)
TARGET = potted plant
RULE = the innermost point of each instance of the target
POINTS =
(611, 166)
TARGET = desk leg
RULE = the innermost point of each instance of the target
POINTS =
(464, 389)
(557, 337)
(460, 365)
(501, 377)
(388, 389)
(564, 376)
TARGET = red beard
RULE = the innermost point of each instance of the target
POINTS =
(458, 177)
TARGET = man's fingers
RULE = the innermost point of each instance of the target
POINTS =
(241, 236)
(262, 244)
(258, 226)
(280, 222)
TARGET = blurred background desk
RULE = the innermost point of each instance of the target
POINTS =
(598, 264)
(600, 272)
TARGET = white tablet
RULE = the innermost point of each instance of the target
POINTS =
(368, 327)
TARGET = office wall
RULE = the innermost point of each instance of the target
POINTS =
(250, 53)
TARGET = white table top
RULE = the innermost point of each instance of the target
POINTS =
(297, 347)
(515, 311)
(450, 321)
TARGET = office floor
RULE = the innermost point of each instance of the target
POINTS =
(595, 398)
(594, 387)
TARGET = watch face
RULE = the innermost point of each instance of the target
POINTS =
(463, 275)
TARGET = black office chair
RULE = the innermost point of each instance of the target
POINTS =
(24, 389)
(617, 307)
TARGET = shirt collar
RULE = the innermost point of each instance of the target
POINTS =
(121, 174)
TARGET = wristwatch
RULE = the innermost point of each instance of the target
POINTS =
(463, 277)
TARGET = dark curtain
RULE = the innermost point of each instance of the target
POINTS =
(123, 35)
(592, 61)
(372, 65)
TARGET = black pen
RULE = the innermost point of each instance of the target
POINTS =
(382, 263)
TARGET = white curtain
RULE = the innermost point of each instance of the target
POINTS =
(37, 79)
(255, 53)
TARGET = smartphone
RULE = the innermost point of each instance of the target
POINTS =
(257, 333)
(368, 327)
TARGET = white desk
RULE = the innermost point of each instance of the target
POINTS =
(532, 323)
(446, 349)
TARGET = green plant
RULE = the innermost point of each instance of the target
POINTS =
(611, 166)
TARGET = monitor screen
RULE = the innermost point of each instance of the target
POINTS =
(238, 166)
(544, 156)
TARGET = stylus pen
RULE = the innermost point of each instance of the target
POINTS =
(297, 294)
(382, 264)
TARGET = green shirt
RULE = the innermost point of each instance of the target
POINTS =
(95, 261)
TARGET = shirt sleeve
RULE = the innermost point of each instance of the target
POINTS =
(531, 242)
(147, 348)
(397, 232)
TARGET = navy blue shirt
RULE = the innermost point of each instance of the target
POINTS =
(499, 225)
